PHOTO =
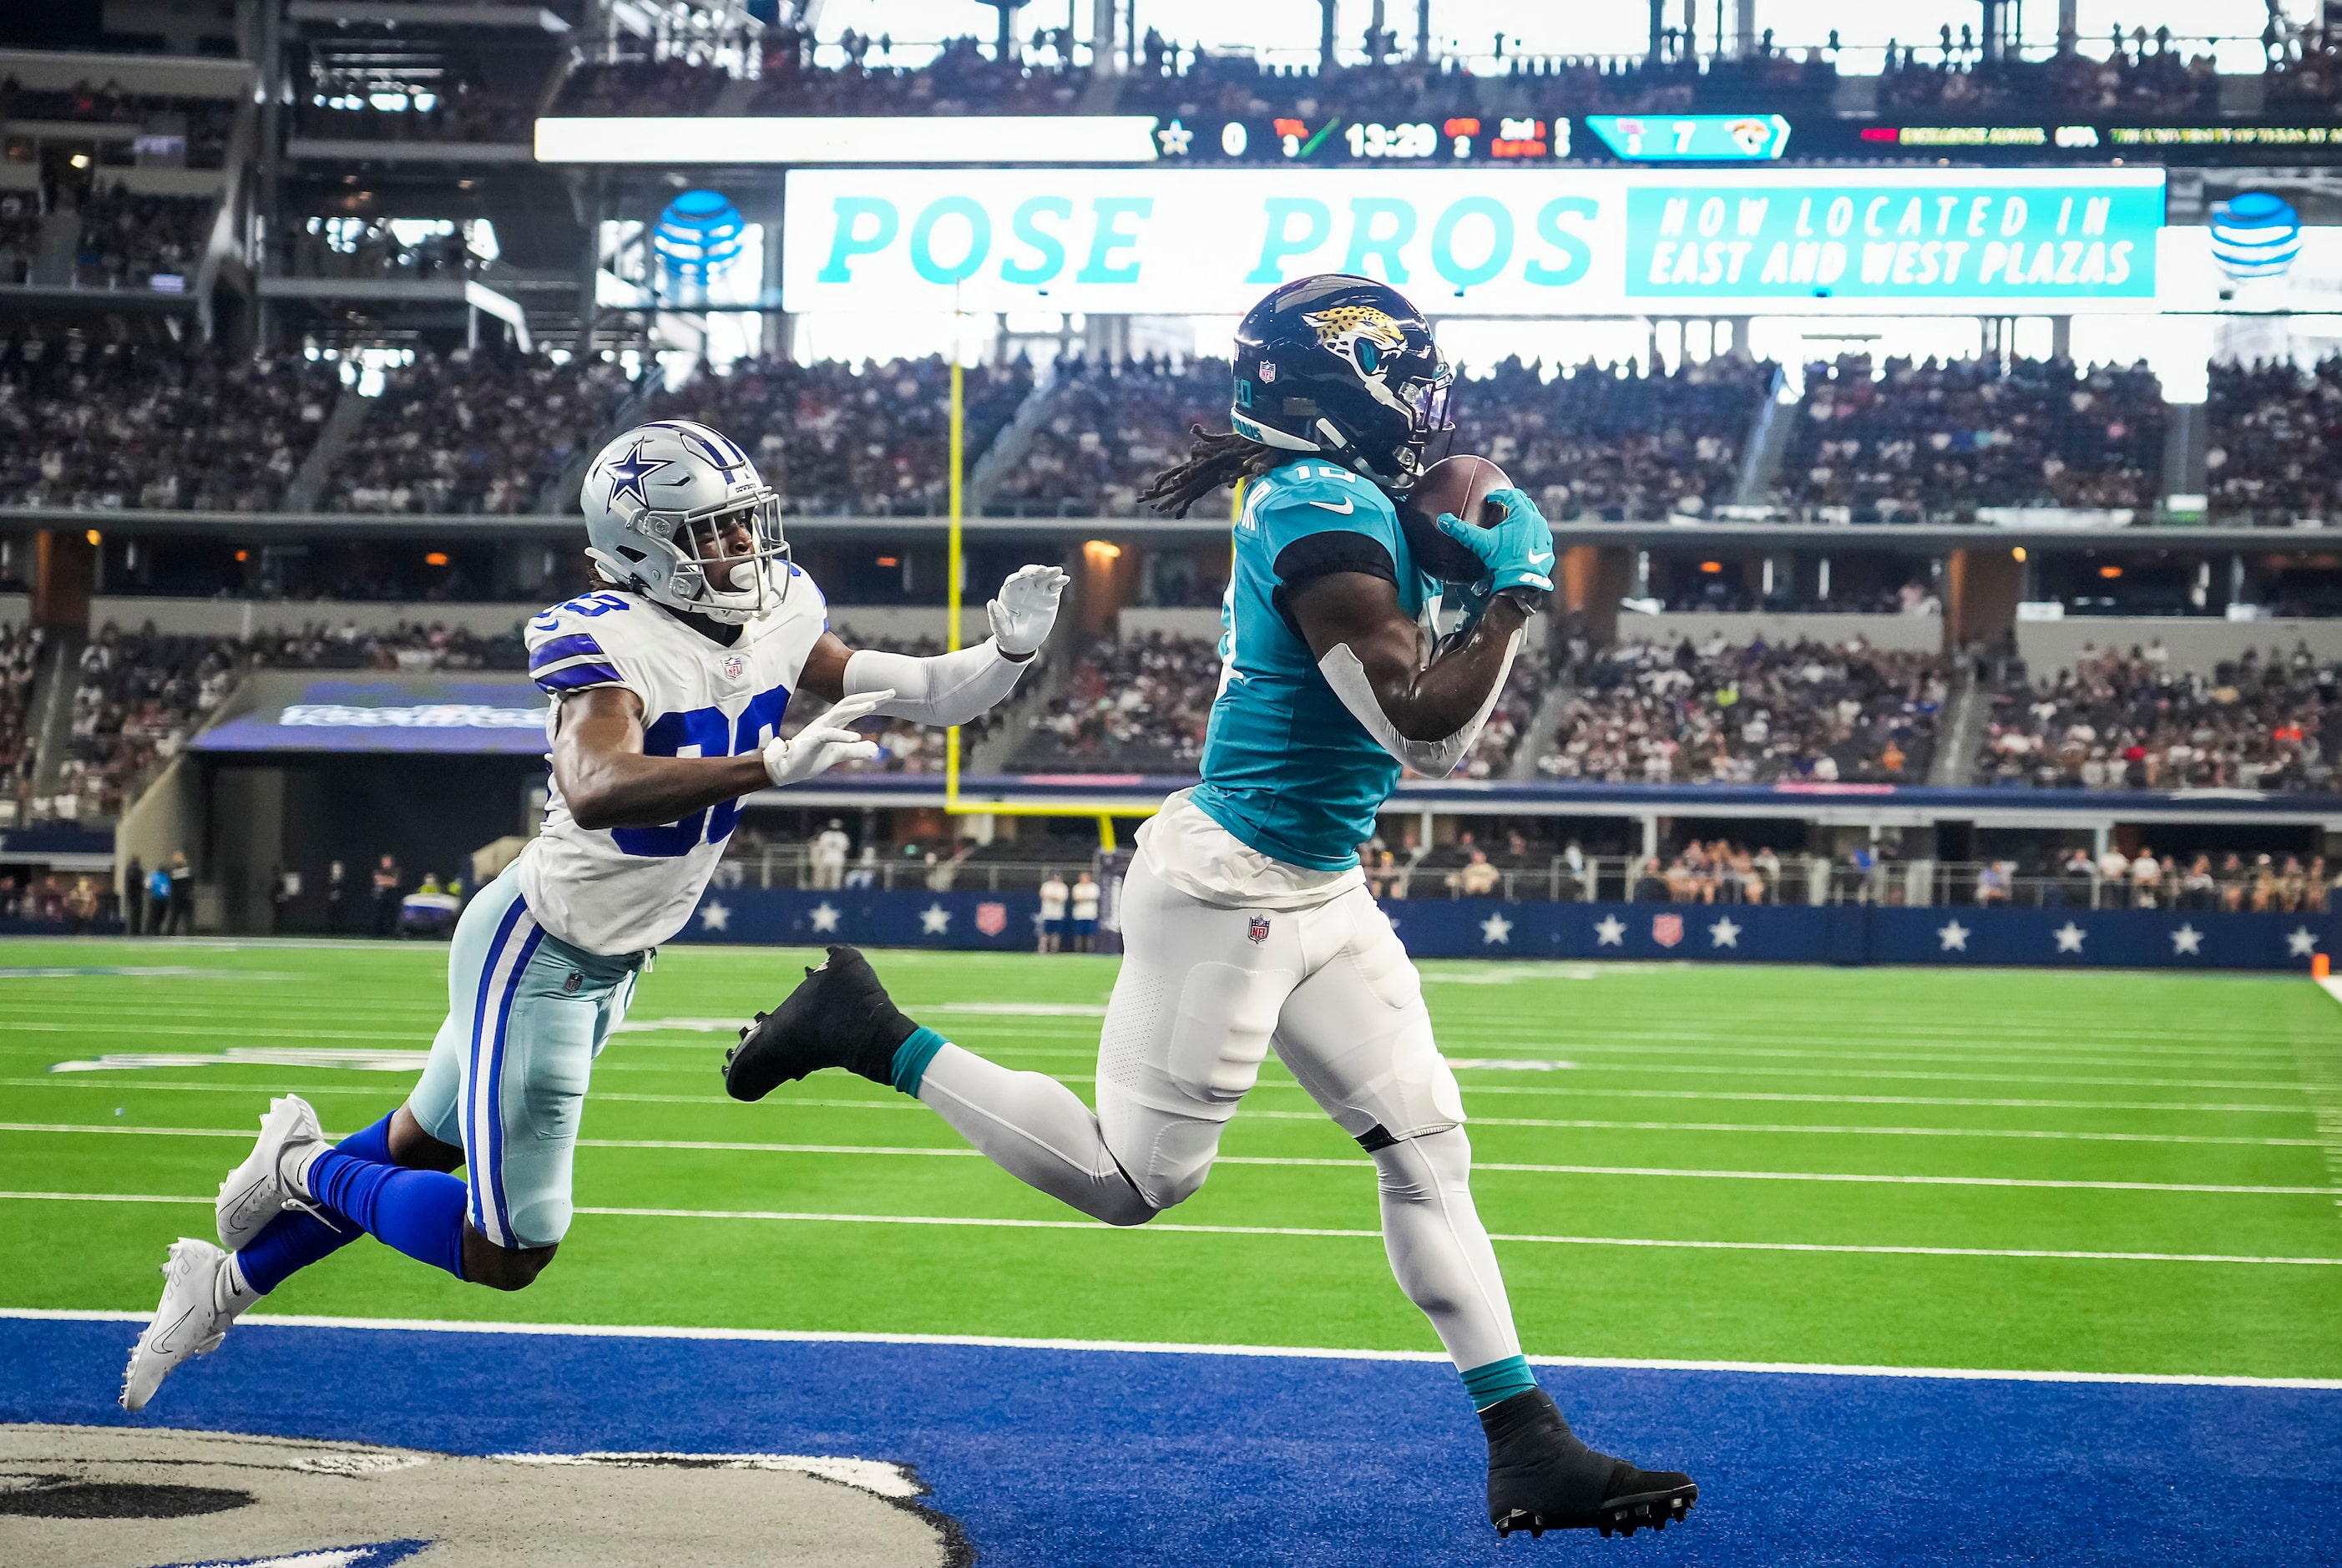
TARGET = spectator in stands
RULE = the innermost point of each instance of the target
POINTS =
(1651, 883)
(1137, 705)
(337, 896)
(2274, 452)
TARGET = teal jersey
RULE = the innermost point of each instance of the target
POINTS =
(1288, 769)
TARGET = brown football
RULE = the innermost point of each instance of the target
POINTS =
(1459, 484)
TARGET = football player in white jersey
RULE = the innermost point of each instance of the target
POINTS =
(668, 685)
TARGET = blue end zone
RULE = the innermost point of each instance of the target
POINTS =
(1075, 1457)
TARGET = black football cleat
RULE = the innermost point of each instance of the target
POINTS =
(841, 1016)
(1541, 1477)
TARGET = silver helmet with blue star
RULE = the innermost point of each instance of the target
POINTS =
(676, 512)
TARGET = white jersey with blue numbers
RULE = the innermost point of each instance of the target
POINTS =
(1289, 771)
(621, 889)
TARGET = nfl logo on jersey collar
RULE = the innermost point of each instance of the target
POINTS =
(736, 667)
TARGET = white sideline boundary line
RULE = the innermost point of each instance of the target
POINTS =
(1141, 1347)
(1662, 1172)
(792, 1216)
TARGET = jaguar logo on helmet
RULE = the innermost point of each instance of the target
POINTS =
(1360, 334)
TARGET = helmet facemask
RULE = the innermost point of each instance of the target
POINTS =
(706, 563)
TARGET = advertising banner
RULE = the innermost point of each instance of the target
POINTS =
(482, 714)
(1477, 242)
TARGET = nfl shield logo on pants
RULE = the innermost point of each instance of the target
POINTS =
(992, 919)
(1259, 929)
(1666, 930)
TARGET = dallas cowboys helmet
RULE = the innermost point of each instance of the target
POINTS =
(1345, 366)
(657, 502)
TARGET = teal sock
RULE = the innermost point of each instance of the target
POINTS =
(1498, 1380)
(912, 1056)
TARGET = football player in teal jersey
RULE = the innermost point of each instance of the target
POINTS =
(1246, 921)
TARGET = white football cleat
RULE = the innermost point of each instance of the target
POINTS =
(258, 1191)
(197, 1305)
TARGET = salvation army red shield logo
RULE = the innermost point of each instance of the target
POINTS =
(992, 919)
(1666, 930)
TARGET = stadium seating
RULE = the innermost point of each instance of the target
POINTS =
(2129, 720)
(113, 425)
(477, 433)
(1598, 444)
(207, 122)
(835, 438)
(2274, 452)
(1724, 713)
(1947, 437)
(1135, 707)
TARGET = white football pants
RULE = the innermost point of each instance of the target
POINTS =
(1203, 992)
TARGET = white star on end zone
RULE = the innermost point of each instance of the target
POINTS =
(714, 916)
(1174, 138)
(1609, 932)
(1724, 934)
(825, 916)
(1954, 936)
(1495, 929)
(2300, 943)
(2188, 940)
(935, 920)
(2069, 937)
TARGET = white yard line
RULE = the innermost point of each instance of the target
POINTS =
(791, 1216)
(1142, 1347)
(1663, 1173)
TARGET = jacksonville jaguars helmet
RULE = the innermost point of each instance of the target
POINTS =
(657, 501)
(1345, 366)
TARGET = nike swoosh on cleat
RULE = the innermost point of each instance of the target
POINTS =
(1346, 508)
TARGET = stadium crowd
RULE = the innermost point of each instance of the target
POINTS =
(131, 241)
(2130, 721)
(138, 698)
(1110, 428)
(2274, 451)
(116, 424)
(207, 122)
(1599, 443)
(1725, 713)
(1937, 436)
(1137, 705)
(873, 440)
(20, 666)
(476, 432)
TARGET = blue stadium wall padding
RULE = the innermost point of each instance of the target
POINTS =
(1492, 928)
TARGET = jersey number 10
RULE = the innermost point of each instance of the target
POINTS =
(704, 732)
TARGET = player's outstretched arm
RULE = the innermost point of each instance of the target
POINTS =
(607, 781)
(1370, 651)
(949, 688)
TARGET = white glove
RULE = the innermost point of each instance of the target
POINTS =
(1027, 607)
(824, 743)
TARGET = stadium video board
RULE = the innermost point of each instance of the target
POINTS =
(482, 714)
(1472, 242)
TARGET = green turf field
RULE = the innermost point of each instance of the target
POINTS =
(2012, 1119)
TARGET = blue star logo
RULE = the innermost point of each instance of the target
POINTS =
(628, 474)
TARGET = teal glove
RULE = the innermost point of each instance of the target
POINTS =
(1517, 552)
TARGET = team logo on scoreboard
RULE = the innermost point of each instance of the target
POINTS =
(1259, 929)
(1666, 930)
(992, 919)
(1750, 136)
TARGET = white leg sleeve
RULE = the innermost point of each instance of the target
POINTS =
(1357, 1035)
(1037, 1130)
(1439, 1250)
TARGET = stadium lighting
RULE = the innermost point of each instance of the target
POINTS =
(95, 537)
(435, 558)
(2018, 554)
(1100, 552)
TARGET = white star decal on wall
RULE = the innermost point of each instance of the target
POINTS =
(825, 915)
(1609, 932)
(2300, 943)
(935, 920)
(714, 917)
(2069, 937)
(1495, 929)
(1954, 936)
(2188, 940)
(1724, 934)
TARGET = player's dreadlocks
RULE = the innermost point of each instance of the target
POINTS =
(1216, 458)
